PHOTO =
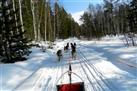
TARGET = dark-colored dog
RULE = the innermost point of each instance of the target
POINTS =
(75, 44)
(59, 54)
(66, 47)
(73, 51)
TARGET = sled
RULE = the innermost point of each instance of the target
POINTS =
(79, 86)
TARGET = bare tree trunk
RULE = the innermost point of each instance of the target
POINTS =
(132, 38)
(45, 21)
(50, 29)
(54, 22)
(20, 10)
(34, 20)
(39, 22)
(127, 43)
(13, 1)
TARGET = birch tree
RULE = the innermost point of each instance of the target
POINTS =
(20, 12)
(34, 19)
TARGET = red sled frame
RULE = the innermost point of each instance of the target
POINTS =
(78, 86)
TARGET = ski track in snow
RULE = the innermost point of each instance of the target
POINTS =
(88, 66)
(100, 85)
(109, 83)
(42, 79)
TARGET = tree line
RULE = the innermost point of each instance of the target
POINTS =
(112, 18)
(46, 20)
(23, 21)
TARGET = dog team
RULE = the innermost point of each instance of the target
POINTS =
(73, 51)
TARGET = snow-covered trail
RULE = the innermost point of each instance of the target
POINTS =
(96, 65)
(104, 52)
(98, 73)
(108, 73)
(45, 77)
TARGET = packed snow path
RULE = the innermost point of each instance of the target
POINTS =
(45, 78)
(97, 70)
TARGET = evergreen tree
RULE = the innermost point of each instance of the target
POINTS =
(1, 41)
(133, 16)
(14, 44)
(133, 21)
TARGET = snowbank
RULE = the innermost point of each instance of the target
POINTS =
(114, 45)
(13, 75)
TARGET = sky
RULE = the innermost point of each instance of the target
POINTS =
(73, 6)
(77, 7)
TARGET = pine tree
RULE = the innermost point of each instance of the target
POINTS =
(1, 47)
(14, 44)
(133, 20)
(133, 16)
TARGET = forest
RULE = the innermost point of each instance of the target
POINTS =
(24, 21)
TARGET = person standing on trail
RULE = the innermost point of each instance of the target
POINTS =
(73, 51)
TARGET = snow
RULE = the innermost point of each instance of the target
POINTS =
(105, 65)
(13, 74)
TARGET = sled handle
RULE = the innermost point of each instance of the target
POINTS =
(71, 72)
